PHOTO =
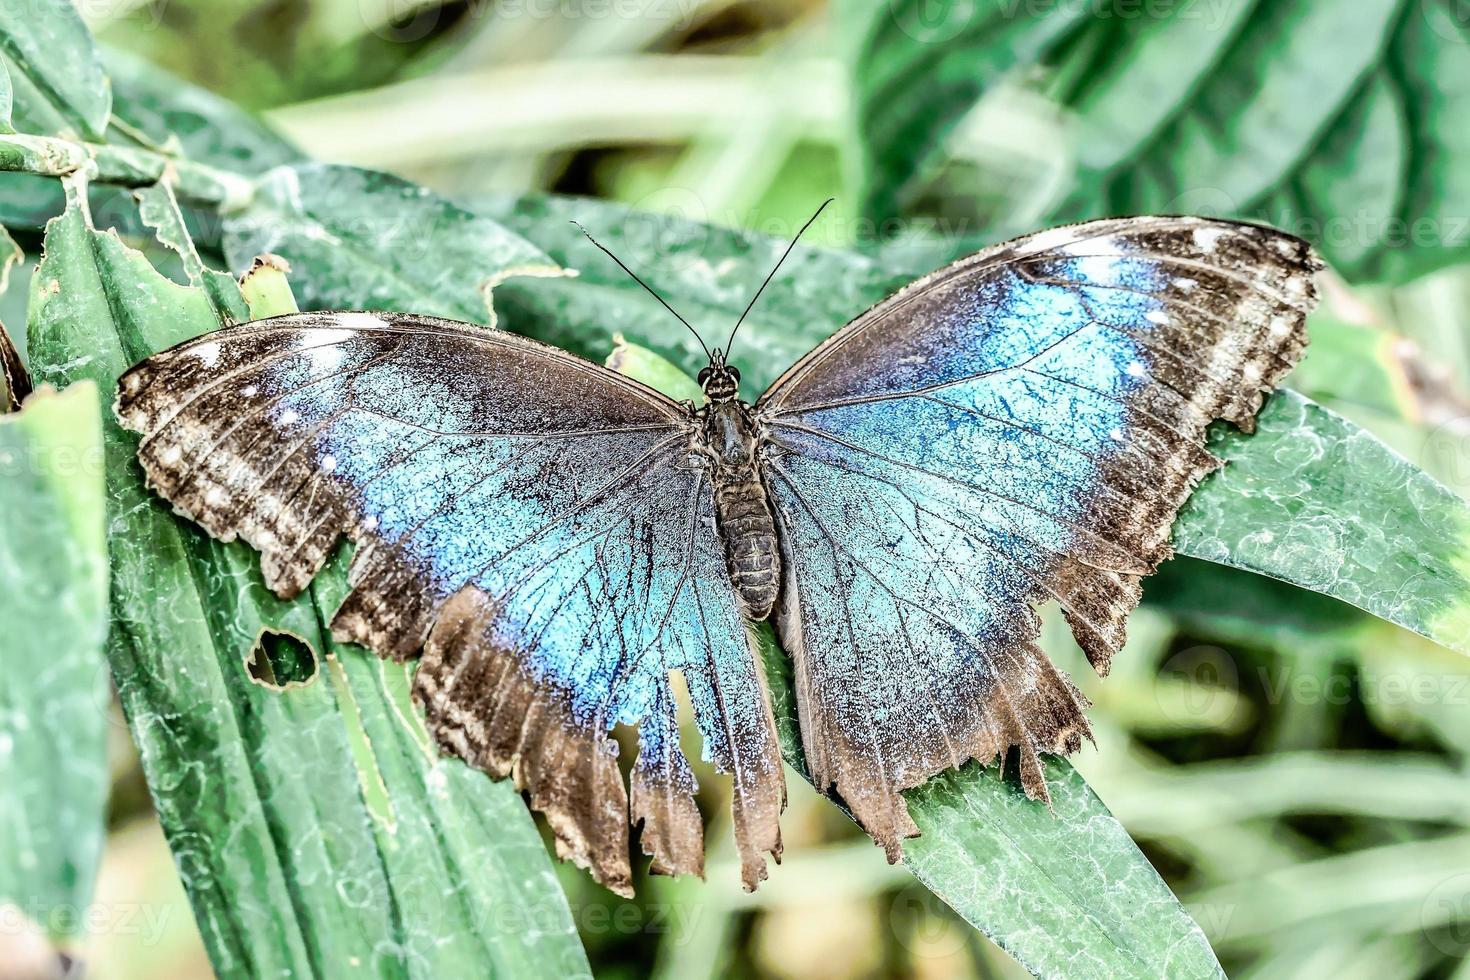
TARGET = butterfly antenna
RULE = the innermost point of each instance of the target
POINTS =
(646, 286)
(758, 292)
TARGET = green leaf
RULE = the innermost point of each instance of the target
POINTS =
(1222, 604)
(203, 126)
(266, 289)
(362, 239)
(254, 57)
(705, 272)
(1364, 367)
(313, 828)
(644, 365)
(7, 99)
(159, 210)
(56, 76)
(1352, 137)
(173, 114)
(1345, 130)
(54, 700)
(919, 66)
(1314, 500)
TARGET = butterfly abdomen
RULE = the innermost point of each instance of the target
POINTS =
(742, 510)
(749, 533)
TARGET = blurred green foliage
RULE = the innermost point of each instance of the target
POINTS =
(1292, 767)
(52, 722)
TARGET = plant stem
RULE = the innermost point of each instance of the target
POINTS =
(126, 167)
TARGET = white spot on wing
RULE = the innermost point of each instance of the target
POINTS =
(316, 338)
(324, 346)
(1047, 240)
(208, 353)
(288, 417)
(1157, 316)
(1135, 369)
(1207, 238)
(1094, 246)
(359, 321)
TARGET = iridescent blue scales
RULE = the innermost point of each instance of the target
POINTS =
(1019, 427)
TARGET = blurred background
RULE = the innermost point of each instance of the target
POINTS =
(1294, 768)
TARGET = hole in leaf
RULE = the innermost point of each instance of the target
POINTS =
(281, 660)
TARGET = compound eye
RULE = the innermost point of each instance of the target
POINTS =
(734, 373)
(702, 377)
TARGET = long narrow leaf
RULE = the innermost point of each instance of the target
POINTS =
(1314, 500)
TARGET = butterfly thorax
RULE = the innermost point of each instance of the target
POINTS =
(730, 443)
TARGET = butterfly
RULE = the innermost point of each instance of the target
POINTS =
(555, 541)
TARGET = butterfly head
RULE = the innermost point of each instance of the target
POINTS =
(720, 381)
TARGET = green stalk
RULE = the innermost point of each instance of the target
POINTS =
(195, 183)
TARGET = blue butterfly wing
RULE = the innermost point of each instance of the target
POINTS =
(528, 519)
(1019, 427)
